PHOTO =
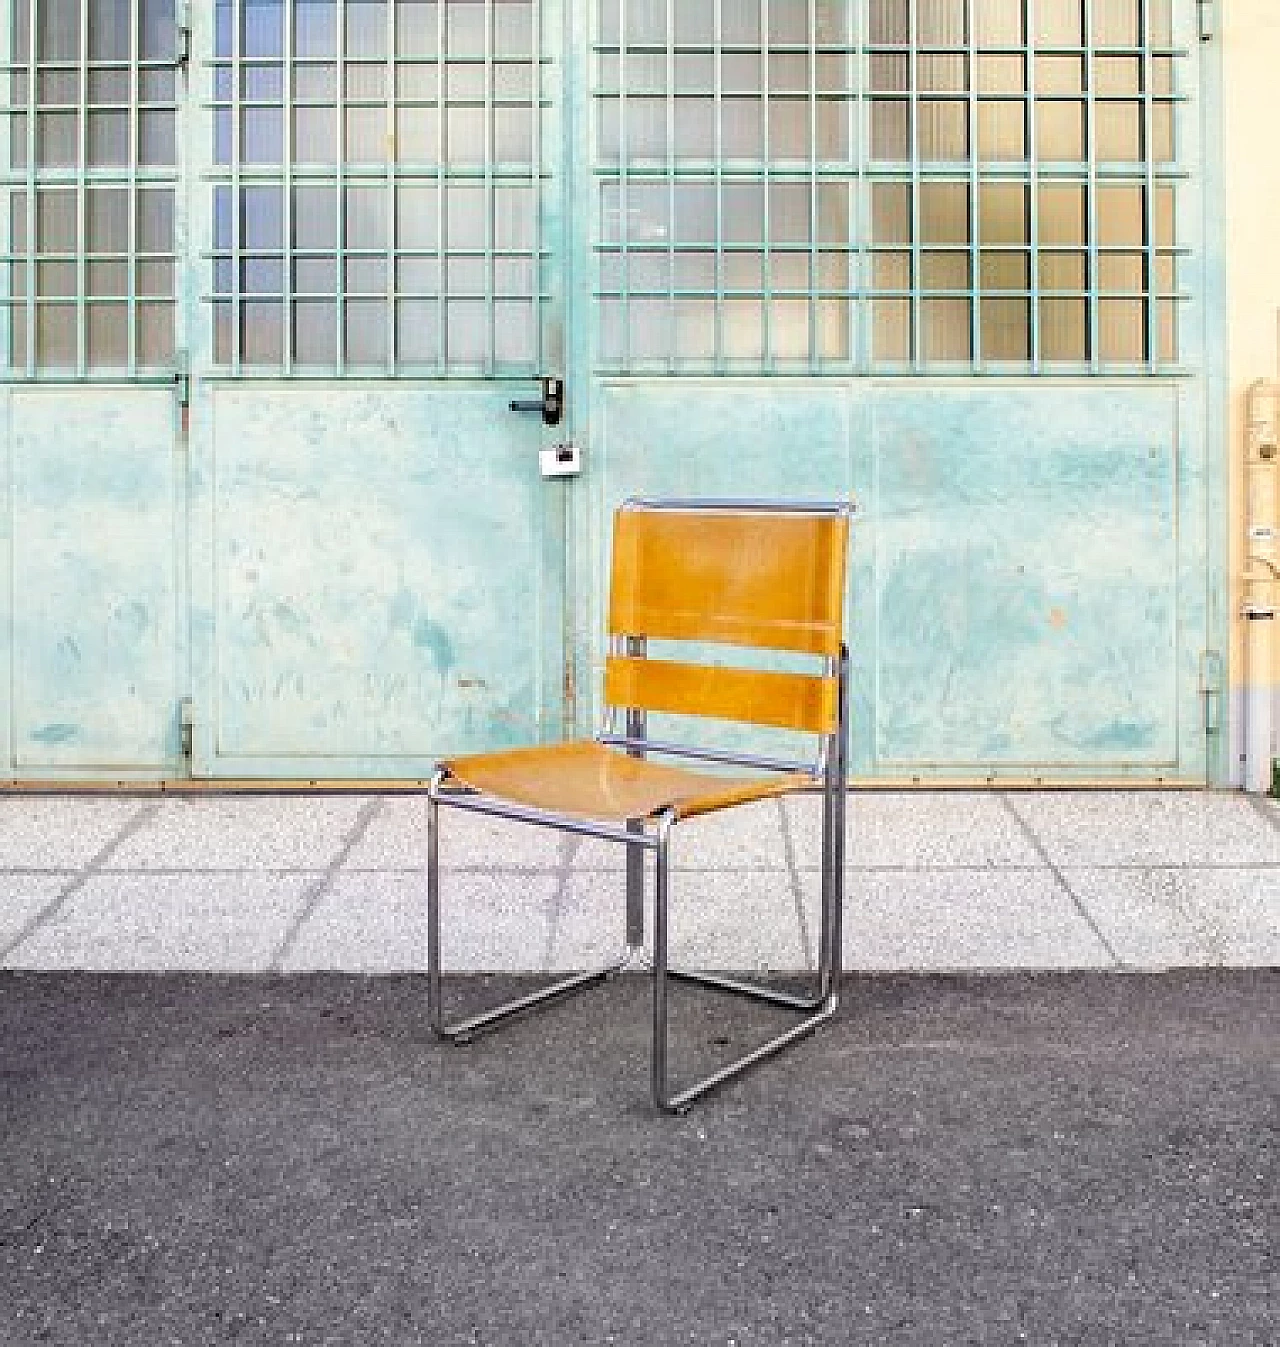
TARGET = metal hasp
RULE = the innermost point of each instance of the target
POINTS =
(552, 404)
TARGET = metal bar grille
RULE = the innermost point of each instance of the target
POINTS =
(1007, 203)
(384, 162)
(90, 189)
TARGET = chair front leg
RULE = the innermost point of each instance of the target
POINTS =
(463, 1030)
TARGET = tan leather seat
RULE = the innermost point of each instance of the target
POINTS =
(589, 780)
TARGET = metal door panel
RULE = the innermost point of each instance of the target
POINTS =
(96, 536)
(387, 579)
(1027, 551)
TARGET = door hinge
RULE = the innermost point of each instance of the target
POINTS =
(1211, 672)
(1207, 14)
(186, 728)
(182, 378)
(182, 31)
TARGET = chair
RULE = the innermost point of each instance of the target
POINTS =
(767, 575)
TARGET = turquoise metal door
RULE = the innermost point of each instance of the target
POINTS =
(92, 561)
(379, 567)
(945, 257)
(278, 268)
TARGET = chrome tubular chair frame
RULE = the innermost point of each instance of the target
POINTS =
(654, 834)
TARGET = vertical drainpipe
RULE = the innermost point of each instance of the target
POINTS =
(1261, 580)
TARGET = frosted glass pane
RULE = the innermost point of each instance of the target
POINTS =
(695, 212)
(315, 276)
(513, 28)
(55, 336)
(464, 28)
(1060, 130)
(1006, 329)
(56, 139)
(57, 280)
(418, 330)
(107, 335)
(1005, 271)
(513, 135)
(942, 72)
(315, 28)
(417, 27)
(744, 271)
(157, 31)
(315, 216)
(465, 212)
(944, 212)
(366, 331)
(157, 139)
(514, 333)
(743, 329)
(103, 280)
(788, 21)
(155, 220)
(1060, 75)
(833, 329)
(416, 215)
(110, 24)
(417, 135)
(1122, 334)
(315, 135)
(315, 332)
(366, 217)
(695, 329)
(941, 23)
(891, 271)
(263, 28)
(695, 127)
(889, 22)
(891, 329)
(366, 275)
(514, 217)
(1059, 23)
(109, 139)
(56, 219)
(1121, 215)
(1121, 273)
(945, 330)
(890, 73)
(944, 271)
(58, 30)
(999, 23)
(1062, 213)
(155, 334)
(262, 217)
(646, 22)
(789, 220)
(1002, 213)
(262, 332)
(366, 29)
(789, 329)
(743, 212)
(788, 128)
(789, 271)
(468, 332)
(1062, 271)
(262, 138)
(1117, 23)
(943, 129)
(1001, 131)
(366, 135)
(890, 130)
(1118, 137)
(742, 135)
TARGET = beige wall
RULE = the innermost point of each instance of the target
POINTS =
(1251, 85)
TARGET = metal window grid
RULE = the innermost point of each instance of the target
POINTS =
(924, 113)
(461, 113)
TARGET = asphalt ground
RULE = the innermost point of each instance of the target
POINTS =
(1054, 1158)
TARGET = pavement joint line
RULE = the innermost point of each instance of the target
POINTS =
(1271, 815)
(797, 893)
(320, 887)
(1060, 878)
(81, 877)
(567, 848)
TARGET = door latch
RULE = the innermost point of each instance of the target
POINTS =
(551, 405)
(561, 460)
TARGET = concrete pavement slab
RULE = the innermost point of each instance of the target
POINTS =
(1080, 828)
(210, 922)
(746, 921)
(375, 922)
(1176, 918)
(22, 897)
(907, 830)
(961, 919)
(397, 839)
(249, 832)
(64, 832)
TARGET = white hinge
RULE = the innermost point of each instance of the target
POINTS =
(186, 727)
(182, 25)
(1207, 13)
(1211, 672)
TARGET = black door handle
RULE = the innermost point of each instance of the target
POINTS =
(551, 405)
